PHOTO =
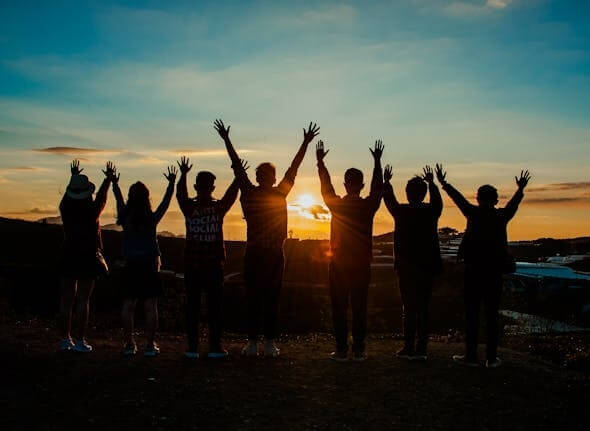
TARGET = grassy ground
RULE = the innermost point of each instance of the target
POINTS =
(301, 390)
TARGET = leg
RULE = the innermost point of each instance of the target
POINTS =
(67, 299)
(85, 289)
(472, 305)
(127, 316)
(272, 295)
(407, 289)
(193, 306)
(358, 298)
(214, 307)
(151, 319)
(339, 295)
(491, 302)
(252, 268)
(424, 293)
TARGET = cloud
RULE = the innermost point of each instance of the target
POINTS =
(35, 210)
(498, 4)
(580, 185)
(73, 151)
(14, 169)
(558, 200)
(316, 211)
(207, 153)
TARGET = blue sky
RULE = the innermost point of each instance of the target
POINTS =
(486, 87)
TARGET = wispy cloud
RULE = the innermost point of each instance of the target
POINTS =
(73, 151)
(580, 185)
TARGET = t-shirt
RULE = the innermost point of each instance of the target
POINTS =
(351, 227)
(415, 238)
(204, 225)
(265, 211)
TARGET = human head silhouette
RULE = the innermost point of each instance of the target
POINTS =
(416, 190)
(266, 174)
(487, 196)
(139, 195)
(353, 181)
(205, 183)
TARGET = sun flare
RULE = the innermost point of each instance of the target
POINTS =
(306, 201)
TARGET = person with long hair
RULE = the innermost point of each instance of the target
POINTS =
(81, 261)
(141, 278)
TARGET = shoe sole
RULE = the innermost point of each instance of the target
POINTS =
(418, 358)
(151, 354)
(466, 364)
(217, 355)
(332, 358)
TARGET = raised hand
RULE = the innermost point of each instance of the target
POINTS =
(312, 131)
(428, 176)
(111, 172)
(170, 175)
(221, 129)
(523, 180)
(441, 175)
(319, 151)
(183, 165)
(75, 167)
(244, 164)
(378, 151)
(387, 173)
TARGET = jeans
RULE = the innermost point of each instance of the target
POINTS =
(415, 285)
(209, 279)
(482, 286)
(263, 273)
(349, 281)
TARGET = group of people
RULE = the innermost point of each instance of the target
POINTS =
(484, 250)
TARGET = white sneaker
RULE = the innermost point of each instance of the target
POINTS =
(250, 350)
(493, 364)
(66, 344)
(270, 349)
(82, 346)
(191, 355)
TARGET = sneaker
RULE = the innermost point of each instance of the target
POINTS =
(270, 349)
(463, 360)
(339, 356)
(191, 355)
(493, 364)
(420, 356)
(404, 353)
(250, 350)
(151, 350)
(130, 349)
(82, 346)
(218, 353)
(66, 344)
(359, 356)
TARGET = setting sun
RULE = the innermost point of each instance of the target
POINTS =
(306, 200)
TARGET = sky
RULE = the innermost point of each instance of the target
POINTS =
(485, 87)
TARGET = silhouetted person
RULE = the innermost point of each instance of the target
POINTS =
(417, 255)
(204, 255)
(82, 262)
(141, 274)
(351, 246)
(484, 249)
(265, 211)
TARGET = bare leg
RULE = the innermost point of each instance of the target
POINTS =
(68, 296)
(151, 319)
(127, 316)
(85, 288)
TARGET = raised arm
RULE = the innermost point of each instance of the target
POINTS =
(388, 195)
(327, 189)
(435, 198)
(170, 176)
(239, 170)
(512, 206)
(288, 180)
(118, 195)
(377, 181)
(181, 189)
(464, 206)
(110, 172)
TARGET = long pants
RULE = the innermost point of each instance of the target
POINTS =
(482, 286)
(263, 273)
(349, 283)
(209, 279)
(415, 285)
